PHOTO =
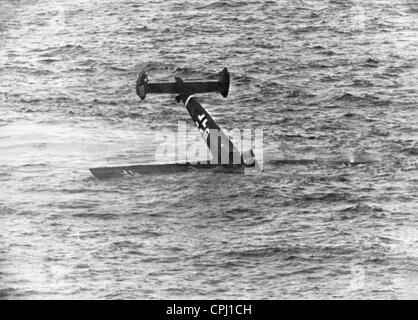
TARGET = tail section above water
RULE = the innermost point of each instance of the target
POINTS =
(220, 146)
(144, 87)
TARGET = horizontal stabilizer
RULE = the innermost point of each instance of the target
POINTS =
(144, 87)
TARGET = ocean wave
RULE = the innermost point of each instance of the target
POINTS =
(370, 99)
(223, 4)
(99, 216)
(54, 51)
(265, 252)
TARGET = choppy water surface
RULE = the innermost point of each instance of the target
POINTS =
(325, 79)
